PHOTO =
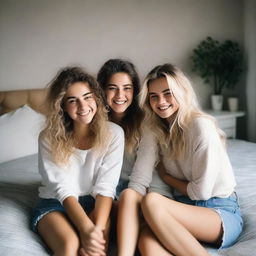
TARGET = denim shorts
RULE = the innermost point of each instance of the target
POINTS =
(229, 212)
(122, 185)
(45, 206)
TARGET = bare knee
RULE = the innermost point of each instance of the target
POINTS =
(129, 196)
(68, 246)
(58, 234)
(151, 204)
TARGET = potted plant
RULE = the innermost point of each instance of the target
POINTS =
(219, 64)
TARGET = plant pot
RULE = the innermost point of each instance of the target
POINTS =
(217, 102)
(233, 104)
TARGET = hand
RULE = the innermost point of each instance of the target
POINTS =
(180, 185)
(92, 242)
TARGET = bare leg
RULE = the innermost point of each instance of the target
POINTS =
(179, 226)
(149, 244)
(128, 222)
(59, 234)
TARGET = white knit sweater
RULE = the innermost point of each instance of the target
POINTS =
(88, 171)
(205, 166)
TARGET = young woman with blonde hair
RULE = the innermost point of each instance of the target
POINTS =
(80, 159)
(188, 150)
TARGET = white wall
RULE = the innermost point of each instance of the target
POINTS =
(250, 43)
(38, 37)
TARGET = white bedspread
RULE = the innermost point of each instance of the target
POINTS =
(243, 159)
(19, 180)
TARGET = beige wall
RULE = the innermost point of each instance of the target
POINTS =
(38, 37)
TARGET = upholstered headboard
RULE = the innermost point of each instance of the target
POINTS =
(11, 100)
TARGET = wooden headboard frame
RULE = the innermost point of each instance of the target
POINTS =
(11, 100)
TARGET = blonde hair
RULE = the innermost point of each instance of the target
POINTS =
(59, 126)
(172, 137)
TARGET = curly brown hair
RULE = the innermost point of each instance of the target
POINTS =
(59, 126)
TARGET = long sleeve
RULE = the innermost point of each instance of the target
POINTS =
(141, 176)
(55, 178)
(91, 171)
(110, 169)
(211, 171)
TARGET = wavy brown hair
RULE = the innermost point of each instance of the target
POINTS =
(131, 123)
(59, 126)
(172, 137)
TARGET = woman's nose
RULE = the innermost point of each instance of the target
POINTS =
(81, 104)
(161, 99)
(120, 93)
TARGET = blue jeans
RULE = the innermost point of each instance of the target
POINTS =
(122, 184)
(45, 206)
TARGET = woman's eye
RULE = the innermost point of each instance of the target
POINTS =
(71, 101)
(110, 88)
(168, 94)
(127, 88)
(88, 97)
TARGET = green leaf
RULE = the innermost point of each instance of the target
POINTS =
(219, 64)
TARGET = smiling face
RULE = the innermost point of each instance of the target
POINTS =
(161, 99)
(119, 93)
(80, 104)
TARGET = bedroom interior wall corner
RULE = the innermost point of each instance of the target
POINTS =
(250, 47)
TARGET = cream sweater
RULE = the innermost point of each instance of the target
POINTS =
(156, 185)
(205, 166)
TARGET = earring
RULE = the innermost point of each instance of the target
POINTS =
(107, 107)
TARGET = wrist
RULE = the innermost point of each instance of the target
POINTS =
(100, 227)
(100, 224)
(86, 229)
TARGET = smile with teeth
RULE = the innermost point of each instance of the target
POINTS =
(83, 113)
(163, 108)
(120, 102)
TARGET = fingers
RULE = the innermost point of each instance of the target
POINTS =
(94, 250)
(97, 240)
(96, 247)
(98, 235)
(82, 252)
(93, 243)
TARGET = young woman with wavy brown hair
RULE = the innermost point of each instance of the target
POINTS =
(80, 159)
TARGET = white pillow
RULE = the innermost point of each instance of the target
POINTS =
(19, 132)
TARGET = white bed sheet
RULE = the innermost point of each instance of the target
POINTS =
(19, 180)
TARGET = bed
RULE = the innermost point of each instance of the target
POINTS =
(20, 123)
